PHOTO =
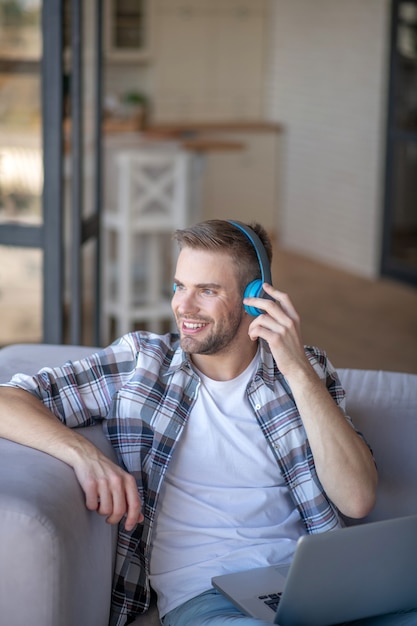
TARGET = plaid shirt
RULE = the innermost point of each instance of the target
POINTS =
(143, 388)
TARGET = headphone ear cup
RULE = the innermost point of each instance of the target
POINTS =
(253, 290)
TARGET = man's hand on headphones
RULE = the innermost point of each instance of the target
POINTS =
(279, 326)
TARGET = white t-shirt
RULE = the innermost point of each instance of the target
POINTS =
(224, 505)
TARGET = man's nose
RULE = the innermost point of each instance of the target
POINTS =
(186, 302)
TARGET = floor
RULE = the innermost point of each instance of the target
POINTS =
(360, 323)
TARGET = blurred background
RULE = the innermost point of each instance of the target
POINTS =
(121, 120)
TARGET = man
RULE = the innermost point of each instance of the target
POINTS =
(213, 431)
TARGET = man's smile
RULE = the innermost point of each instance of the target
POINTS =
(193, 326)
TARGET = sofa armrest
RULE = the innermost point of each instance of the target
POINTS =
(57, 557)
(383, 406)
(29, 358)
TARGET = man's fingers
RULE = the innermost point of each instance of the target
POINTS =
(92, 497)
(134, 508)
(112, 492)
(125, 501)
(282, 299)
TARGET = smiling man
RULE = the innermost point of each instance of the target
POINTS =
(209, 425)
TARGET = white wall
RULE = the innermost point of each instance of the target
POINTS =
(327, 82)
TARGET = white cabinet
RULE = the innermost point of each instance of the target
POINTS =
(208, 62)
(127, 34)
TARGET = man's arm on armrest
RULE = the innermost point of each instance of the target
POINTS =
(109, 490)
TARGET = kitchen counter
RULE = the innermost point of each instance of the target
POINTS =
(196, 136)
(177, 130)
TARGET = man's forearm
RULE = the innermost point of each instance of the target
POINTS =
(343, 461)
(24, 419)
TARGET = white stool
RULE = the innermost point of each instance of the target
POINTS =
(138, 256)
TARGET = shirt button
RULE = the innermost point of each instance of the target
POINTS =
(257, 407)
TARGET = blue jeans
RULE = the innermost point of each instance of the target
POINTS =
(211, 608)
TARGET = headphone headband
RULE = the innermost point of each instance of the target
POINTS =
(259, 248)
(254, 289)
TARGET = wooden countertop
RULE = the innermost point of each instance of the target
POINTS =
(191, 129)
(195, 136)
(215, 145)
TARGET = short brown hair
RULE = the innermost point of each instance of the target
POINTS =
(223, 236)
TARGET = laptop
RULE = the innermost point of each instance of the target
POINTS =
(335, 577)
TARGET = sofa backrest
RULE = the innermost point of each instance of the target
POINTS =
(29, 358)
(383, 406)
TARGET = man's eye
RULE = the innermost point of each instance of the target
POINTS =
(208, 292)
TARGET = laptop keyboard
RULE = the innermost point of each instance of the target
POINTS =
(271, 600)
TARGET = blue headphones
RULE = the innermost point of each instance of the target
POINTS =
(254, 289)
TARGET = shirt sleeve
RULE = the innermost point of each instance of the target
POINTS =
(325, 370)
(81, 392)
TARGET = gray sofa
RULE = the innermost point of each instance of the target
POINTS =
(57, 558)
